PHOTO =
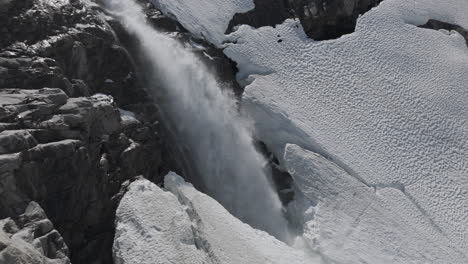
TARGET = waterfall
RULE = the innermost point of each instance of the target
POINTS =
(206, 119)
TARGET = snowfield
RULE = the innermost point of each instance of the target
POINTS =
(354, 223)
(372, 126)
(182, 225)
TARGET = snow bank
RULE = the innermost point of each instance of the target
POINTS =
(186, 226)
(206, 19)
(350, 222)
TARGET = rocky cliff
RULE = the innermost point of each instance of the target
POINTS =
(63, 143)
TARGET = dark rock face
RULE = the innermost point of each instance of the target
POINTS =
(280, 178)
(70, 147)
(59, 44)
(266, 13)
(71, 156)
(439, 25)
(321, 19)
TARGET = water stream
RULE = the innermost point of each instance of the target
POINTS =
(206, 119)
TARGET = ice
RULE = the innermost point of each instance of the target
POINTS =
(157, 226)
(388, 105)
(349, 222)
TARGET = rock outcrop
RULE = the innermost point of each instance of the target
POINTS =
(31, 239)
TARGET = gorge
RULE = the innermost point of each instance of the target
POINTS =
(233, 131)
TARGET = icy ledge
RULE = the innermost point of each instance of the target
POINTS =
(182, 225)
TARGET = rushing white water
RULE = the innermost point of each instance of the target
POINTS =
(208, 122)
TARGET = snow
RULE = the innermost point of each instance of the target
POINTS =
(206, 19)
(128, 117)
(350, 222)
(157, 226)
(387, 105)
(151, 223)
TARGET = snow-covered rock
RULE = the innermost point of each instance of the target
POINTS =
(182, 225)
(206, 19)
(387, 105)
(153, 227)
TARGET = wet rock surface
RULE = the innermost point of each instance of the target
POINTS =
(321, 19)
(75, 124)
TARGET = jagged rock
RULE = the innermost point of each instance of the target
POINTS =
(15, 140)
(66, 45)
(93, 116)
(19, 105)
(31, 239)
(71, 155)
